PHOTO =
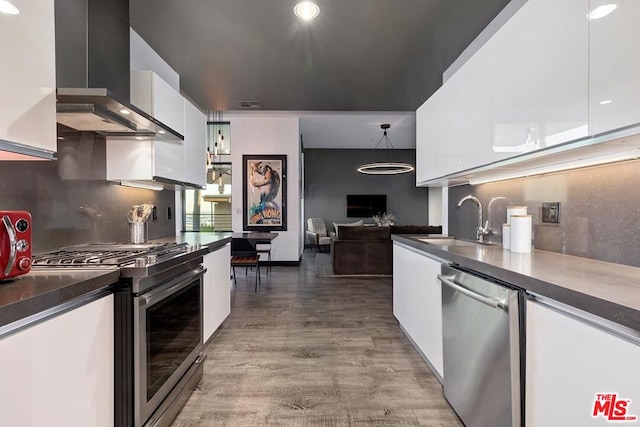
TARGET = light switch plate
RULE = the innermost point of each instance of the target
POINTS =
(551, 212)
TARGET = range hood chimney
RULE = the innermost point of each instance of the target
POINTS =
(93, 72)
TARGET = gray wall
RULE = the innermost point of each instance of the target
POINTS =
(329, 175)
(55, 205)
(599, 211)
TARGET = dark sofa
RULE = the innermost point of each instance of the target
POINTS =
(369, 250)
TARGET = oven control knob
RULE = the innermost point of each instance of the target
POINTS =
(24, 264)
(22, 245)
(22, 225)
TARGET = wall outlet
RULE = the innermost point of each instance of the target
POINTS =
(551, 212)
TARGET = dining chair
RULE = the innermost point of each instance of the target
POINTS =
(244, 254)
(264, 247)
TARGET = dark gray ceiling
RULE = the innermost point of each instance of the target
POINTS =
(358, 55)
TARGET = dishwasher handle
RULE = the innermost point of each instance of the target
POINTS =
(491, 302)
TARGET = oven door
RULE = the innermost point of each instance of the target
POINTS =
(167, 338)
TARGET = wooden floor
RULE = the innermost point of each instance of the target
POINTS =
(308, 351)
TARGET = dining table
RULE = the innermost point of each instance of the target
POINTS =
(255, 236)
(259, 238)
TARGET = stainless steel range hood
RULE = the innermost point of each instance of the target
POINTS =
(96, 110)
(93, 72)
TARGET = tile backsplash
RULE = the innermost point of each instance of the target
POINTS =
(77, 211)
(599, 211)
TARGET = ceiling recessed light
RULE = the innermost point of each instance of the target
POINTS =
(306, 10)
(605, 102)
(139, 138)
(602, 11)
(161, 132)
(7, 8)
(126, 112)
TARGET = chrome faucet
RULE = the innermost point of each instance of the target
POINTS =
(481, 230)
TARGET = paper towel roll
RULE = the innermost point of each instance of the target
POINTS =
(506, 236)
(515, 210)
(521, 233)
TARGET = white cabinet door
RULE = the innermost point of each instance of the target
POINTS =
(467, 115)
(430, 137)
(428, 309)
(60, 372)
(403, 289)
(539, 77)
(168, 160)
(27, 76)
(217, 290)
(195, 145)
(614, 60)
(157, 98)
(568, 363)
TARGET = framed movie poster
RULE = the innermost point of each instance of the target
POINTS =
(264, 192)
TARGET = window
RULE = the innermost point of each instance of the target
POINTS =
(210, 209)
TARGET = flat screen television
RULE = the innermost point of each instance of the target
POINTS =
(365, 205)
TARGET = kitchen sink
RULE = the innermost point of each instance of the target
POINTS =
(451, 241)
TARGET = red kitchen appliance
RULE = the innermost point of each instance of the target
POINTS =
(15, 243)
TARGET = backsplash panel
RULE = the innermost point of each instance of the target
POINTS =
(79, 211)
(599, 211)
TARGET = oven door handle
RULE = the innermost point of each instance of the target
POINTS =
(172, 286)
(12, 244)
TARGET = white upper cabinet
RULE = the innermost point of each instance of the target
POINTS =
(467, 114)
(28, 77)
(539, 77)
(614, 61)
(195, 145)
(430, 137)
(143, 161)
(157, 98)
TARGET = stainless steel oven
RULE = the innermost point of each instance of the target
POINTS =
(167, 341)
(158, 324)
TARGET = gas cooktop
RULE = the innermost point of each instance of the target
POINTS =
(108, 254)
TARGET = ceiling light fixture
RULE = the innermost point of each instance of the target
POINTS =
(602, 11)
(125, 112)
(384, 168)
(7, 8)
(605, 102)
(306, 10)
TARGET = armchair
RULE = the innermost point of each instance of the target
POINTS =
(317, 233)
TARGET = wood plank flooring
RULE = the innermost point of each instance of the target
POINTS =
(309, 351)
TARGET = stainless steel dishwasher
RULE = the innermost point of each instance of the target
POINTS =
(481, 324)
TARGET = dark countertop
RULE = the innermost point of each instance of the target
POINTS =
(45, 288)
(609, 290)
(212, 240)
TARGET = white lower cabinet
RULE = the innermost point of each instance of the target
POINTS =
(403, 288)
(571, 358)
(428, 309)
(60, 372)
(217, 290)
(417, 300)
